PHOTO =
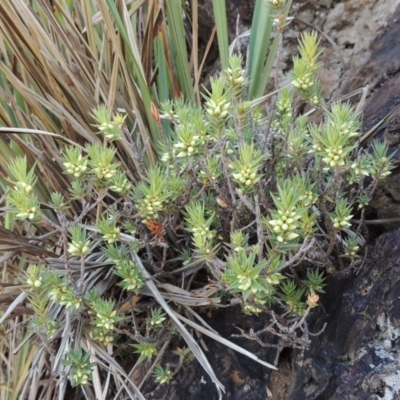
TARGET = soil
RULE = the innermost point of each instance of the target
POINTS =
(357, 356)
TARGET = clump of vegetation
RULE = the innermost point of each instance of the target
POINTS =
(130, 183)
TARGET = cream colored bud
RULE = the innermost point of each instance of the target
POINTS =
(312, 300)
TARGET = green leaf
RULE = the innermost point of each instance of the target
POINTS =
(178, 44)
(222, 31)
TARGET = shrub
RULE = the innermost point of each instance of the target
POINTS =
(262, 199)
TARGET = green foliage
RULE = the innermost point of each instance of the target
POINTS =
(101, 163)
(292, 297)
(132, 278)
(304, 68)
(381, 164)
(156, 318)
(184, 354)
(314, 281)
(152, 195)
(108, 228)
(342, 215)
(244, 275)
(74, 162)
(162, 375)
(27, 206)
(201, 227)
(217, 103)
(246, 168)
(106, 318)
(146, 351)
(109, 128)
(23, 180)
(64, 294)
(286, 224)
(79, 245)
(22, 196)
(80, 369)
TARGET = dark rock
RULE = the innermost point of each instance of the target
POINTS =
(382, 73)
(357, 356)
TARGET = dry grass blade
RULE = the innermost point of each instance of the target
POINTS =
(5, 130)
(12, 306)
(12, 242)
(59, 77)
(224, 341)
(9, 290)
(197, 316)
(184, 297)
(108, 362)
(15, 365)
(182, 330)
(374, 130)
(33, 383)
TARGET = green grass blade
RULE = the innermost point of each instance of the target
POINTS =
(273, 50)
(219, 8)
(263, 80)
(178, 47)
(137, 70)
(163, 77)
(261, 29)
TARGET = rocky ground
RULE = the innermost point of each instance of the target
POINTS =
(357, 356)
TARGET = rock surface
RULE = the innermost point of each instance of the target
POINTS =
(357, 357)
(350, 32)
